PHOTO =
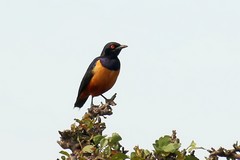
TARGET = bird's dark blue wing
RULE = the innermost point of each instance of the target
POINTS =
(85, 81)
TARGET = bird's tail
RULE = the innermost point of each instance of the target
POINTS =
(80, 102)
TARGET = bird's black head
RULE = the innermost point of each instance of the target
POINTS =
(112, 49)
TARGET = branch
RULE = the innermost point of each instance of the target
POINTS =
(81, 135)
(103, 109)
(228, 153)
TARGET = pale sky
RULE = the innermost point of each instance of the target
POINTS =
(181, 71)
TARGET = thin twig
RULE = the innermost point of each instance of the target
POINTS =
(228, 153)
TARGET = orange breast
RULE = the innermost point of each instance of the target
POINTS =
(103, 79)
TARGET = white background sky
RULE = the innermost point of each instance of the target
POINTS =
(181, 71)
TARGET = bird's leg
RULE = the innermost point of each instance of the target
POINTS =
(92, 101)
(104, 97)
(111, 100)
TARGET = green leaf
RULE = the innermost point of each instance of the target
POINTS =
(172, 147)
(107, 151)
(132, 155)
(119, 156)
(180, 155)
(146, 152)
(77, 120)
(116, 147)
(192, 146)
(191, 157)
(163, 141)
(97, 139)
(65, 153)
(73, 127)
(115, 138)
(87, 123)
(88, 149)
(103, 142)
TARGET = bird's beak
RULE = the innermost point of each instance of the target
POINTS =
(121, 47)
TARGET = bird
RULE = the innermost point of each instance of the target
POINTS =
(101, 74)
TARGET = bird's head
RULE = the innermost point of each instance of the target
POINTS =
(112, 49)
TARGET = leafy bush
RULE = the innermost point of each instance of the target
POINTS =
(86, 141)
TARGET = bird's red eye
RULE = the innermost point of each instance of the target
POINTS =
(112, 46)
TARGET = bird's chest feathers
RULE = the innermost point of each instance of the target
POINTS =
(103, 79)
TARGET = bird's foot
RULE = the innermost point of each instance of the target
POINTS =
(102, 109)
(111, 100)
